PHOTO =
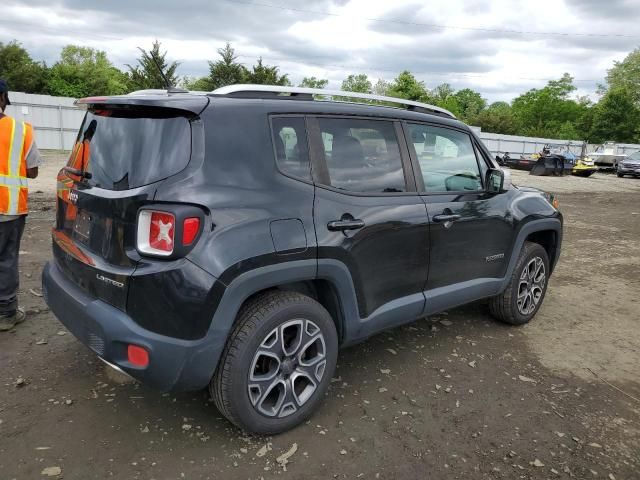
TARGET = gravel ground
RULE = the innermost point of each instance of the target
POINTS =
(456, 395)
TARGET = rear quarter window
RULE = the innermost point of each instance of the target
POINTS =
(290, 146)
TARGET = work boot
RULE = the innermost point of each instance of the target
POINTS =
(7, 323)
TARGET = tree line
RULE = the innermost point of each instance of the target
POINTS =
(552, 111)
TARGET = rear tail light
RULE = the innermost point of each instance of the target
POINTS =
(156, 232)
(190, 229)
(168, 230)
(137, 356)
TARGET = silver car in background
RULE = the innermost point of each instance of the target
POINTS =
(630, 165)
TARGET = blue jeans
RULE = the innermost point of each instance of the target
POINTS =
(10, 235)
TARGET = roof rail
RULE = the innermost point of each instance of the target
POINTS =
(308, 94)
(159, 91)
(148, 91)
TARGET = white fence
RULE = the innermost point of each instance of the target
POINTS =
(499, 144)
(56, 121)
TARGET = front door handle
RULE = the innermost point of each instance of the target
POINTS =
(447, 218)
(346, 224)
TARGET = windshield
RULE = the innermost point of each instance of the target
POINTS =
(635, 156)
(121, 149)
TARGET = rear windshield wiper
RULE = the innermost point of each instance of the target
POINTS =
(77, 172)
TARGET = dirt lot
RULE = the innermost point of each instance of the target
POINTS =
(457, 395)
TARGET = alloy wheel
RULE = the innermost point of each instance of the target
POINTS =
(531, 286)
(287, 368)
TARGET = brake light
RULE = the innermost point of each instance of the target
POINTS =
(162, 231)
(137, 356)
(190, 229)
(156, 232)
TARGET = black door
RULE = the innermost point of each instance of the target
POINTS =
(471, 231)
(365, 214)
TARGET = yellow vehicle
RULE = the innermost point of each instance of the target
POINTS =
(584, 167)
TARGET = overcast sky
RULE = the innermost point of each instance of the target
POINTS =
(499, 47)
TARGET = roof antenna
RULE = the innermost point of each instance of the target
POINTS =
(170, 88)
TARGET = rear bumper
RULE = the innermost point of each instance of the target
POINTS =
(174, 364)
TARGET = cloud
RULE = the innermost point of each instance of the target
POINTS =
(618, 9)
(498, 47)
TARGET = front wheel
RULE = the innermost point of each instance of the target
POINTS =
(523, 297)
(277, 364)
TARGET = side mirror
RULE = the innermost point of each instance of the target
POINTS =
(498, 180)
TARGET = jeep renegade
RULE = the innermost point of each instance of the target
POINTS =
(236, 239)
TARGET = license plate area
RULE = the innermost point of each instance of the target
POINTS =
(82, 227)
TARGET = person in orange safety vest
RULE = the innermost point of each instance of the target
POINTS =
(19, 161)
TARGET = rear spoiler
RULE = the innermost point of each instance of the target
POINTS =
(190, 103)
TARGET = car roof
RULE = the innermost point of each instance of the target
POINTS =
(263, 98)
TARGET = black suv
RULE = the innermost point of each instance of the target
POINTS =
(237, 239)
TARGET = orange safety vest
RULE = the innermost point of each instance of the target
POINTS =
(16, 140)
(80, 155)
(79, 159)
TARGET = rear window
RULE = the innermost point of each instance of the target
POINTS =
(129, 148)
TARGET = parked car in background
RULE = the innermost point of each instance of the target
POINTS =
(235, 240)
(630, 165)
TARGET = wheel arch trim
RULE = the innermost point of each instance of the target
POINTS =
(533, 226)
(206, 360)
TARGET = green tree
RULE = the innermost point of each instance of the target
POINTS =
(442, 93)
(543, 112)
(202, 84)
(313, 82)
(381, 87)
(21, 72)
(625, 75)
(443, 96)
(470, 103)
(83, 72)
(226, 71)
(357, 83)
(146, 73)
(262, 74)
(406, 86)
(497, 118)
(616, 117)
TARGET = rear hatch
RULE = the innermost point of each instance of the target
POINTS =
(123, 152)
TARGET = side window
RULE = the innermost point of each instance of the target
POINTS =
(362, 155)
(290, 145)
(447, 159)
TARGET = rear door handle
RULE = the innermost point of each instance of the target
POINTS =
(447, 218)
(342, 225)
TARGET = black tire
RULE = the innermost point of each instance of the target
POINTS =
(504, 307)
(620, 175)
(258, 320)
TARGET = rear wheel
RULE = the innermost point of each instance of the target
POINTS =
(527, 287)
(277, 364)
